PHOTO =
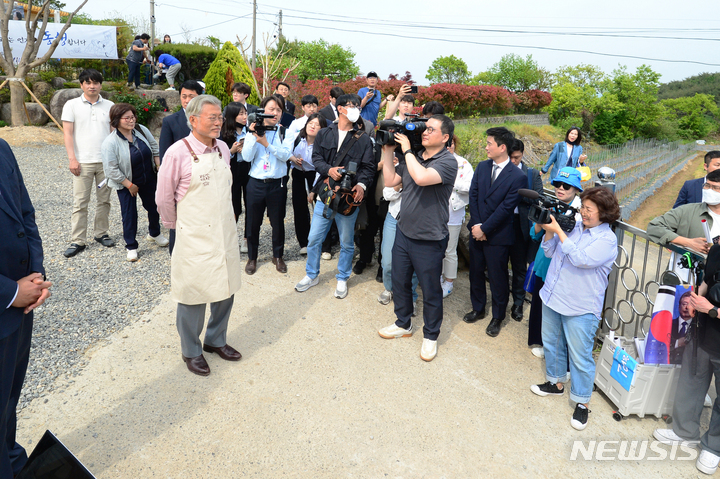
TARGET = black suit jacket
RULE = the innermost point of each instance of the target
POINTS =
(691, 192)
(494, 206)
(21, 250)
(328, 113)
(524, 206)
(676, 353)
(290, 107)
(174, 128)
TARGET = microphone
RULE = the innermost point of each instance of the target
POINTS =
(530, 194)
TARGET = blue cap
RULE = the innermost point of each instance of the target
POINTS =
(570, 176)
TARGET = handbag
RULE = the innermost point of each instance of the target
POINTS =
(529, 285)
(328, 193)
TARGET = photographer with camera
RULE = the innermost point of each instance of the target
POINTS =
(421, 238)
(267, 150)
(343, 157)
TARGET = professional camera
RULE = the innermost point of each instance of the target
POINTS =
(257, 119)
(346, 183)
(412, 127)
(545, 206)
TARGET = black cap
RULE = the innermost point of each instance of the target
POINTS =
(372, 74)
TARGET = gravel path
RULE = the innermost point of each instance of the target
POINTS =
(97, 292)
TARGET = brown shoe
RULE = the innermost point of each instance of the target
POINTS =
(279, 265)
(227, 352)
(197, 365)
(251, 266)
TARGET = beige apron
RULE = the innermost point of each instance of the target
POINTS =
(205, 264)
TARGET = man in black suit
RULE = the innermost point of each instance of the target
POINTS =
(283, 89)
(175, 126)
(691, 191)
(330, 111)
(22, 289)
(524, 248)
(680, 327)
(493, 198)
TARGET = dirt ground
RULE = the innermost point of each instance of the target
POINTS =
(32, 135)
(664, 197)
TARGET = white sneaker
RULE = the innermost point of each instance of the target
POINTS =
(159, 239)
(172, 88)
(303, 250)
(708, 401)
(326, 256)
(538, 352)
(668, 437)
(132, 255)
(447, 288)
(428, 351)
(394, 332)
(243, 247)
(385, 297)
(341, 290)
(707, 462)
(306, 283)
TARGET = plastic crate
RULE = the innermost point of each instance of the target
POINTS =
(652, 390)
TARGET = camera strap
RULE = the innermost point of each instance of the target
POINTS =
(346, 148)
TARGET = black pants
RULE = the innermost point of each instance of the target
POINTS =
(518, 261)
(535, 317)
(374, 223)
(423, 258)
(240, 170)
(270, 194)
(129, 212)
(302, 182)
(14, 358)
(133, 72)
(495, 257)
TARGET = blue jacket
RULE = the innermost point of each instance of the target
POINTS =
(21, 250)
(558, 158)
(691, 192)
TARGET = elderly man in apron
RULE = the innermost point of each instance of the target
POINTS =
(193, 196)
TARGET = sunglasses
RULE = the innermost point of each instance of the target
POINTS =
(563, 186)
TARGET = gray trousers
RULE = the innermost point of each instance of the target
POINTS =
(690, 397)
(190, 321)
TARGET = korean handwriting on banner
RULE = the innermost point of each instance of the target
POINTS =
(49, 38)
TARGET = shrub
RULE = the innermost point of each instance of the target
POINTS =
(145, 107)
(195, 59)
(228, 68)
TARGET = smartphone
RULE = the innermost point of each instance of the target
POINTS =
(413, 89)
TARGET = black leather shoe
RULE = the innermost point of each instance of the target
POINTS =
(359, 267)
(251, 266)
(379, 277)
(516, 312)
(494, 327)
(73, 250)
(473, 316)
(106, 241)
(227, 352)
(279, 265)
(197, 365)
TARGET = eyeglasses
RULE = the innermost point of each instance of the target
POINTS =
(212, 118)
(563, 186)
(430, 129)
(128, 118)
(708, 186)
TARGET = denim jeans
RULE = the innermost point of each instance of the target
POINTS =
(573, 335)
(388, 240)
(318, 230)
(133, 72)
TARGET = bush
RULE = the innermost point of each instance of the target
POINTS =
(195, 59)
(145, 108)
(228, 68)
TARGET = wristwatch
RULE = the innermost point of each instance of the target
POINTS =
(713, 313)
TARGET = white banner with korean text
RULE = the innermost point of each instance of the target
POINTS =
(79, 41)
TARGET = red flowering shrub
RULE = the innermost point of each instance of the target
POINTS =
(533, 100)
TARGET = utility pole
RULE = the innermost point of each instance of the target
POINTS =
(280, 27)
(152, 38)
(253, 38)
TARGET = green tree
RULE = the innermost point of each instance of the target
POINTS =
(695, 116)
(576, 94)
(515, 73)
(448, 70)
(228, 68)
(320, 59)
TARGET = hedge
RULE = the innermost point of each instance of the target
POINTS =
(195, 59)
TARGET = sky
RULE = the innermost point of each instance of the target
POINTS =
(389, 39)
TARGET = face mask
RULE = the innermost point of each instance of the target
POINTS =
(711, 197)
(353, 114)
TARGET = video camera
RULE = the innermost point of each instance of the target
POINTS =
(257, 119)
(545, 206)
(412, 127)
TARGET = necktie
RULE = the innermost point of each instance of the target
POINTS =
(493, 176)
(683, 329)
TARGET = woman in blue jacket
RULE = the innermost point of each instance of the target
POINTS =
(566, 153)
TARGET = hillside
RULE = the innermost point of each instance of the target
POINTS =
(708, 83)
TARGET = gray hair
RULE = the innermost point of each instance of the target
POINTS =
(194, 108)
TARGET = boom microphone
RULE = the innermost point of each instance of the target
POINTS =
(529, 194)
